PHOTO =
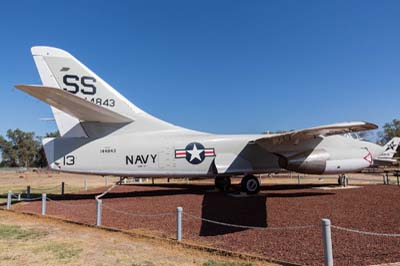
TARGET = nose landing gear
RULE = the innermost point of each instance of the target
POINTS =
(223, 183)
(343, 180)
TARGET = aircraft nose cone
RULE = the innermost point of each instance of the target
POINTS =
(375, 150)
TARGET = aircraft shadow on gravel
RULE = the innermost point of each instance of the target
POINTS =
(237, 209)
(232, 209)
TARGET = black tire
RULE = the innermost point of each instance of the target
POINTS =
(343, 180)
(223, 183)
(250, 184)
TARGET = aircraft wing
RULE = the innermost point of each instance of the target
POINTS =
(296, 136)
(73, 105)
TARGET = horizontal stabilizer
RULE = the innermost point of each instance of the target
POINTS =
(73, 105)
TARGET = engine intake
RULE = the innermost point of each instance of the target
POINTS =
(310, 162)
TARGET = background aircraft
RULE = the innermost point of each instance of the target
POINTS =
(103, 133)
(389, 151)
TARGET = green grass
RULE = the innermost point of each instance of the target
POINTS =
(215, 263)
(16, 232)
(62, 251)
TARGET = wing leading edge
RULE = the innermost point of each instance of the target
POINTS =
(73, 105)
(296, 136)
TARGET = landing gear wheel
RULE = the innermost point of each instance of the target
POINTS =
(250, 184)
(343, 180)
(223, 183)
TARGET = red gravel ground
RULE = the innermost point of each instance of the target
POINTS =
(373, 208)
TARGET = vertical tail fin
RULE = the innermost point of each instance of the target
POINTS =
(68, 126)
(58, 68)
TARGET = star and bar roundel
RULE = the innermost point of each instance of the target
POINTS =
(194, 153)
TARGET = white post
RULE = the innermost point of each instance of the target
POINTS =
(98, 212)
(85, 183)
(44, 204)
(326, 236)
(179, 223)
(9, 200)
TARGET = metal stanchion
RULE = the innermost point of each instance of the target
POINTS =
(44, 204)
(28, 192)
(326, 236)
(179, 223)
(397, 174)
(62, 188)
(85, 183)
(386, 178)
(98, 212)
(9, 200)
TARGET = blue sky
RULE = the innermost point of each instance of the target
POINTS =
(217, 66)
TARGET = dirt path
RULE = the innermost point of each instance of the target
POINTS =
(29, 240)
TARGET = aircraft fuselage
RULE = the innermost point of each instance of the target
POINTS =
(197, 154)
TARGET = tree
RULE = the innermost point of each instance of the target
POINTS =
(390, 130)
(23, 149)
(19, 149)
(41, 160)
(55, 134)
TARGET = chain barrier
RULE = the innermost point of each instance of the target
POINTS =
(107, 191)
(139, 214)
(365, 179)
(26, 199)
(250, 227)
(364, 232)
(67, 204)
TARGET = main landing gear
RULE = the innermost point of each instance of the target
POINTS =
(249, 184)
(343, 180)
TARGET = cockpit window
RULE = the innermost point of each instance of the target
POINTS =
(352, 135)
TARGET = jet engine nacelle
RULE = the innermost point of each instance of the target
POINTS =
(311, 162)
(318, 162)
(346, 166)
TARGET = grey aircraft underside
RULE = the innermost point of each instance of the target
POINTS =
(103, 133)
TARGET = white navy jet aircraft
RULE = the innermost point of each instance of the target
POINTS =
(103, 133)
